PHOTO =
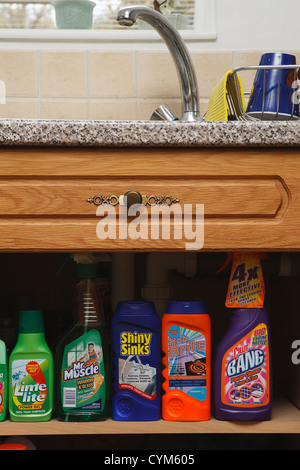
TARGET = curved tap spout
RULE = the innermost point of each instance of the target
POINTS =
(127, 16)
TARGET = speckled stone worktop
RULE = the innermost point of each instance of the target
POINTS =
(149, 133)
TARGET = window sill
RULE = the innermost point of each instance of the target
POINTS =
(44, 37)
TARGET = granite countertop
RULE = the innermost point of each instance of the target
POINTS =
(149, 133)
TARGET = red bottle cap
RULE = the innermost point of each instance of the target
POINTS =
(13, 447)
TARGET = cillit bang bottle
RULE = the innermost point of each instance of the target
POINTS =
(243, 370)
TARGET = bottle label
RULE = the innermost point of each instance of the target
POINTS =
(2, 387)
(245, 370)
(187, 361)
(246, 286)
(135, 370)
(30, 386)
(83, 376)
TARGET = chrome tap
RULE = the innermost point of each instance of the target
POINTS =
(127, 16)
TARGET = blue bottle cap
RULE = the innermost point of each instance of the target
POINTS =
(135, 307)
(185, 307)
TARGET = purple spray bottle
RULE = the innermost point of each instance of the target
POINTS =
(243, 369)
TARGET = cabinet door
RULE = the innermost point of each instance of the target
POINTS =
(54, 199)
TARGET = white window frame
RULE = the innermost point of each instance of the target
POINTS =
(43, 38)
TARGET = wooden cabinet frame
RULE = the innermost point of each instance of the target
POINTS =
(251, 201)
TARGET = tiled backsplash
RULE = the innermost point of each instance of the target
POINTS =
(106, 85)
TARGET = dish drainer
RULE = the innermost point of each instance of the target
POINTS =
(234, 100)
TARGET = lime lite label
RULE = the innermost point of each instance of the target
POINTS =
(30, 379)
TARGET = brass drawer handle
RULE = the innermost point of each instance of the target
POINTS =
(99, 200)
(132, 197)
(168, 200)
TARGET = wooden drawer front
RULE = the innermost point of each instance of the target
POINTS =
(250, 196)
(223, 197)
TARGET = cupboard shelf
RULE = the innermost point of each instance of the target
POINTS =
(285, 419)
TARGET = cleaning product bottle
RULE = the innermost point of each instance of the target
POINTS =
(82, 356)
(186, 344)
(3, 380)
(243, 372)
(136, 345)
(31, 371)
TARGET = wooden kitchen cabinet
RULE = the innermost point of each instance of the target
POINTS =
(251, 201)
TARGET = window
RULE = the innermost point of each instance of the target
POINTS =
(29, 16)
(26, 14)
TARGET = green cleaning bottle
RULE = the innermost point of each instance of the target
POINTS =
(82, 355)
(31, 371)
(3, 380)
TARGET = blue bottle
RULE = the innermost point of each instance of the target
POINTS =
(136, 347)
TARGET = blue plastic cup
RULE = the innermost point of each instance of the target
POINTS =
(274, 91)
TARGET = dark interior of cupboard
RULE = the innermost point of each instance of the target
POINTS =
(32, 280)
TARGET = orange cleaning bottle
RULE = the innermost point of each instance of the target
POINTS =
(186, 346)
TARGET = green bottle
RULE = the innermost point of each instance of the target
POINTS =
(30, 371)
(3, 380)
(82, 381)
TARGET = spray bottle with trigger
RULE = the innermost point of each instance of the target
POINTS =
(82, 361)
(243, 366)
